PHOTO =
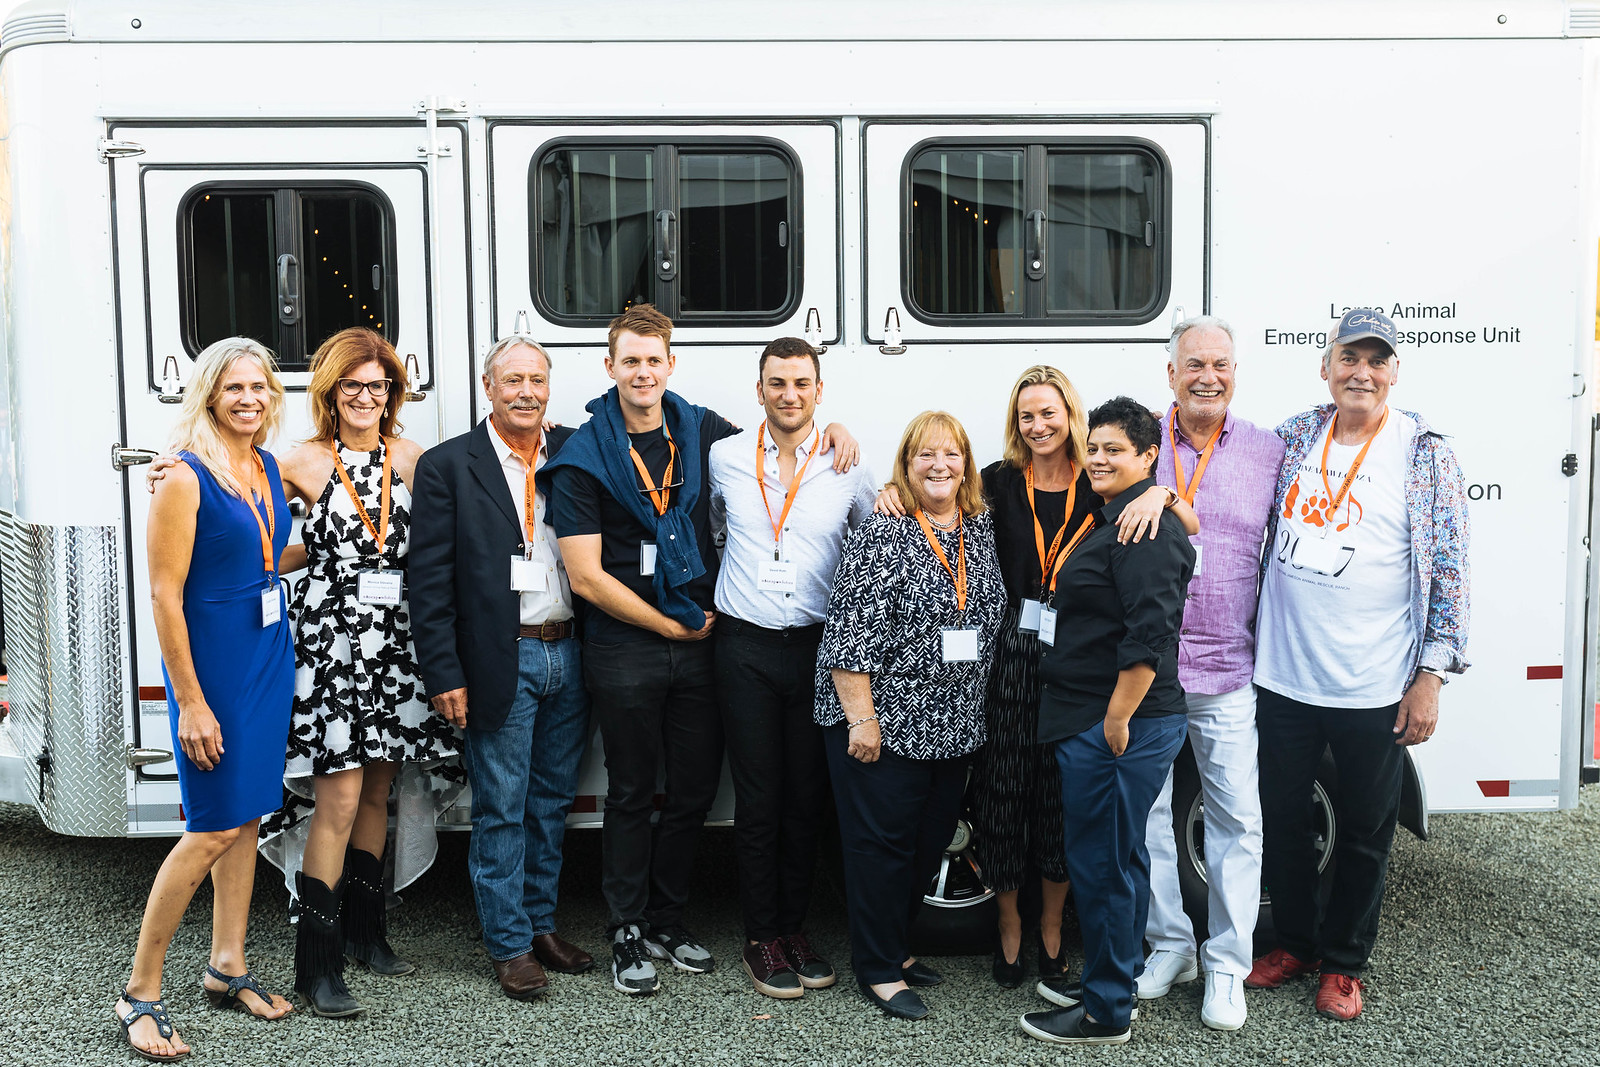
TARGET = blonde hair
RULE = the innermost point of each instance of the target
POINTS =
(930, 426)
(336, 358)
(196, 429)
(1017, 452)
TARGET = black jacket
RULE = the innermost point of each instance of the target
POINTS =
(465, 527)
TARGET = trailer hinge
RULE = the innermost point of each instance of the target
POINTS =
(441, 105)
(110, 149)
(1569, 464)
(122, 458)
(43, 760)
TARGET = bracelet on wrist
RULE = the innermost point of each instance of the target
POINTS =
(858, 722)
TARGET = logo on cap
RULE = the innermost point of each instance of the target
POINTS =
(1360, 323)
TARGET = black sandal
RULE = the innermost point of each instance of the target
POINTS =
(229, 998)
(137, 1009)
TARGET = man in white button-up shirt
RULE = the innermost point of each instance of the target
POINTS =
(785, 528)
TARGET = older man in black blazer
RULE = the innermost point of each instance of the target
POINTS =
(492, 616)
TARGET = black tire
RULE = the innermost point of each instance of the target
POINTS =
(1189, 830)
(959, 914)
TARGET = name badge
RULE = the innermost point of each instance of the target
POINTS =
(527, 575)
(1199, 553)
(1047, 626)
(960, 646)
(379, 587)
(1029, 622)
(271, 606)
(1321, 556)
(647, 558)
(775, 577)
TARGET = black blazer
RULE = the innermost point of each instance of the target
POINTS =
(465, 527)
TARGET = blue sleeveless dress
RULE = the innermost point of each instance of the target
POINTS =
(246, 670)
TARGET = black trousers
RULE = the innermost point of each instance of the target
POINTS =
(1367, 806)
(895, 818)
(656, 704)
(766, 685)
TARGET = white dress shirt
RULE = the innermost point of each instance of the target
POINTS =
(827, 507)
(553, 603)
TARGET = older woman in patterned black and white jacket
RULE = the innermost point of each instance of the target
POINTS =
(912, 622)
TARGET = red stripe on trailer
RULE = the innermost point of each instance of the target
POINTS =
(1597, 731)
(1501, 788)
(1539, 673)
(152, 692)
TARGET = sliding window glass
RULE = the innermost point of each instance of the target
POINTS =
(288, 267)
(705, 231)
(1048, 233)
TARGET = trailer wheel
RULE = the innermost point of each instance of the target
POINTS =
(959, 914)
(1188, 824)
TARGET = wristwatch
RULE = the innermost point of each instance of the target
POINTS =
(1436, 673)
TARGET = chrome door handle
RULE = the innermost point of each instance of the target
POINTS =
(123, 458)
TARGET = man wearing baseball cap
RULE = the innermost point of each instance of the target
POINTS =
(1363, 614)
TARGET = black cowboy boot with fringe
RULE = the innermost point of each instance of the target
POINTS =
(366, 922)
(318, 951)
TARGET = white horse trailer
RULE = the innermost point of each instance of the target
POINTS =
(941, 194)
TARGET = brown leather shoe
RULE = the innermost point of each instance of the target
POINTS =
(521, 977)
(560, 956)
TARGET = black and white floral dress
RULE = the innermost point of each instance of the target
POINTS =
(358, 693)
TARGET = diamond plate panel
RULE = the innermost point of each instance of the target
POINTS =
(63, 606)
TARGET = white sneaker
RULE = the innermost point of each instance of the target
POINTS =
(1223, 1008)
(1164, 969)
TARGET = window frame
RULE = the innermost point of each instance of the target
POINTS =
(1036, 152)
(295, 357)
(667, 152)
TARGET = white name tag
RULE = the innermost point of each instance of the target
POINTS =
(271, 606)
(1321, 555)
(379, 587)
(960, 646)
(1047, 626)
(527, 575)
(1029, 622)
(647, 558)
(1199, 552)
(775, 577)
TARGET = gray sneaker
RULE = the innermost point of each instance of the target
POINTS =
(631, 969)
(678, 947)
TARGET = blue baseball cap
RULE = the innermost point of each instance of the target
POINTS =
(1360, 323)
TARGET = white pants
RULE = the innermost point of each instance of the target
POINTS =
(1222, 730)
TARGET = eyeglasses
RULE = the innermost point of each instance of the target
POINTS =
(378, 387)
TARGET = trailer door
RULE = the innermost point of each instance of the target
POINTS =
(285, 235)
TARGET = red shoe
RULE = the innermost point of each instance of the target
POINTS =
(1339, 996)
(1276, 968)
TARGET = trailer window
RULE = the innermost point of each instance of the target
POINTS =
(1043, 233)
(704, 232)
(288, 267)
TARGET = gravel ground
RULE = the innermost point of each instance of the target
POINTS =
(1487, 956)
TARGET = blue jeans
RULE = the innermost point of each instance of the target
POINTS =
(1105, 801)
(523, 778)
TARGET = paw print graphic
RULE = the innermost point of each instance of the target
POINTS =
(1312, 512)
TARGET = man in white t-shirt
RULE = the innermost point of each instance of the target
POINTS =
(1363, 613)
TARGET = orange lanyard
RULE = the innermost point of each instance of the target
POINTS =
(794, 487)
(380, 533)
(959, 574)
(1344, 487)
(1047, 559)
(660, 496)
(268, 526)
(530, 507)
(1187, 492)
(1077, 539)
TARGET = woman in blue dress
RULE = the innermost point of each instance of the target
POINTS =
(218, 529)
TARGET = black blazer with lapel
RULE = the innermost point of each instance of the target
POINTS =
(465, 527)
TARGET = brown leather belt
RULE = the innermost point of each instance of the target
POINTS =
(550, 631)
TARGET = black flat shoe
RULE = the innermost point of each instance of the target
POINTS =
(1049, 966)
(1071, 1026)
(1068, 993)
(921, 975)
(903, 1005)
(1007, 974)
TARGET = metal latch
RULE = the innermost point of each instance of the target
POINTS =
(139, 757)
(1569, 464)
(414, 376)
(122, 457)
(171, 382)
(45, 767)
(814, 330)
(891, 334)
(109, 149)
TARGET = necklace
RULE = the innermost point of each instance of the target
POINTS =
(951, 525)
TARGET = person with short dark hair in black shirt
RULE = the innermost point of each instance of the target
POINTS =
(1112, 705)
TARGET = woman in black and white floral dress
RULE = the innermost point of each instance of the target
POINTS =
(361, 719)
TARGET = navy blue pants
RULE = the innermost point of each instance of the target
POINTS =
(895, 818)
(1105, 804)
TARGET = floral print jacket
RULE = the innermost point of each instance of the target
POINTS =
(1436, 503)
